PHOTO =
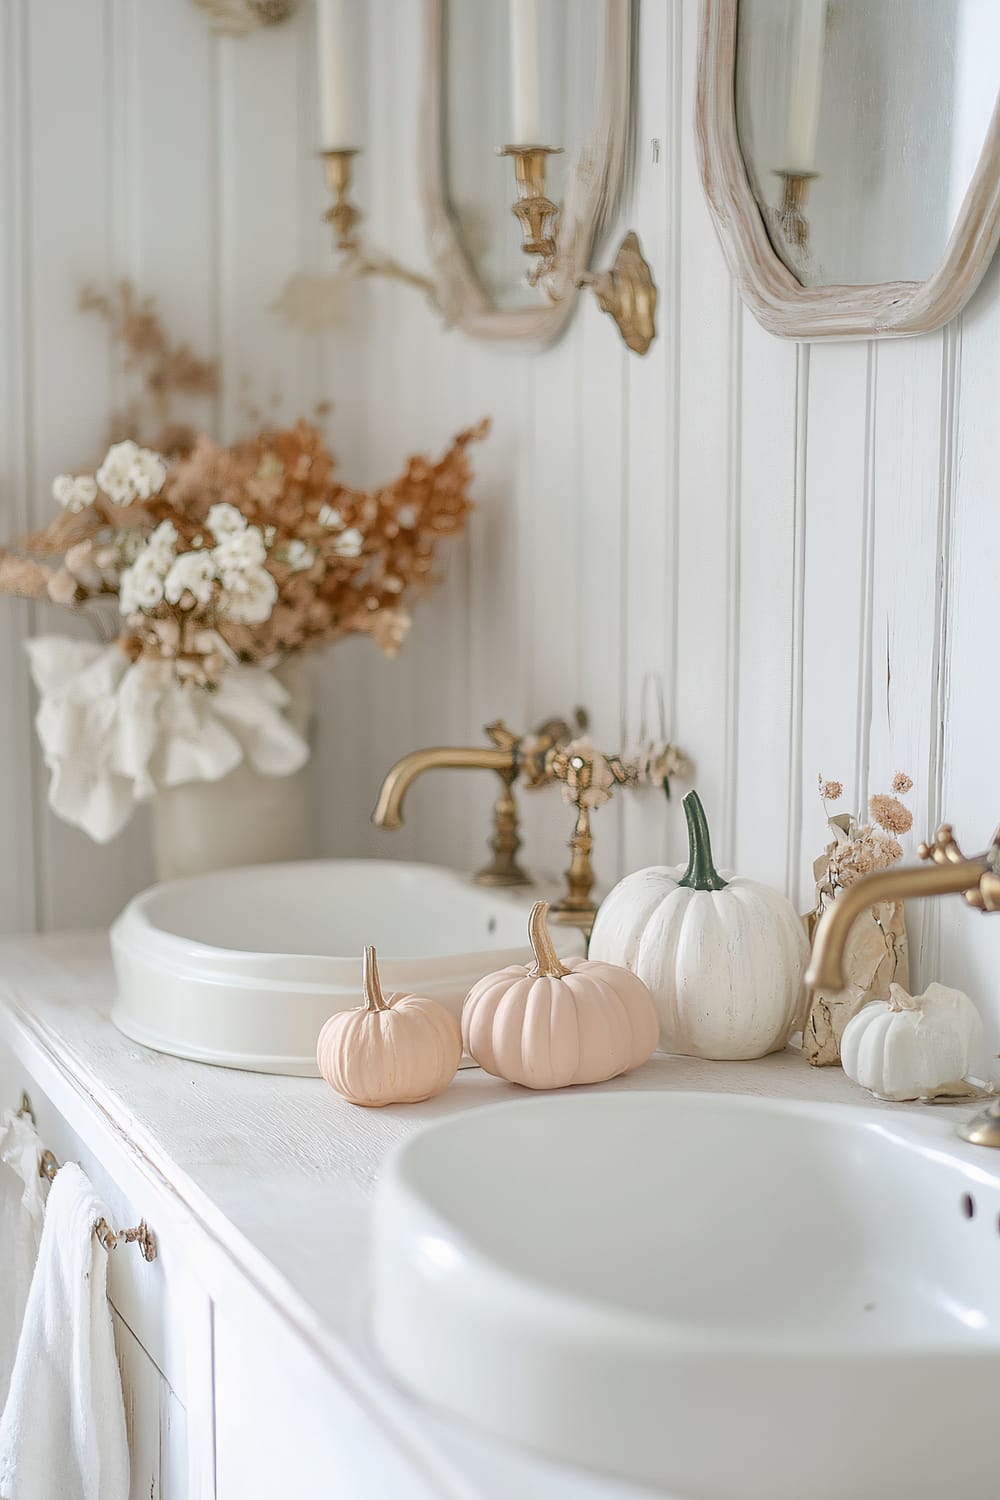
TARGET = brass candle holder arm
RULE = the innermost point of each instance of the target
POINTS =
(344, 217)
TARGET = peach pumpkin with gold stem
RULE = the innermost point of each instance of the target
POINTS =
(552, 1024)
(395, 1051)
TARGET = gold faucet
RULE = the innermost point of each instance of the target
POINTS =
(977, 878)
(507, 756)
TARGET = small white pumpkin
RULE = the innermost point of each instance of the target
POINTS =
(555, 1024)
(911, 1046)
(724, 958)
(395, 1051)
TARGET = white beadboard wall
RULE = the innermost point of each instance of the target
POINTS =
(804, 541)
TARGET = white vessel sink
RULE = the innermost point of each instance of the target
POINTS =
(242, 967)
(731, 1298)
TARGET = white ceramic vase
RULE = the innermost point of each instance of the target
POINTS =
(244, 818)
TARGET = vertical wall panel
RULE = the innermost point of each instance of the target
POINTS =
(77, 116)
(970, 798)
(649, 572)
(17, 772)
(259, 173)
(908, 439)
(708, 482)
(839, 478)
(768, 474)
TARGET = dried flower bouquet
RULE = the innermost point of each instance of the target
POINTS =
(876, 954)
(217, 564)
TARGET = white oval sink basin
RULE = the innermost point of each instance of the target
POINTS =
(242, 967)
(731, 1298)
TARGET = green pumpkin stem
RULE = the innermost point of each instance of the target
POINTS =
(701, 874)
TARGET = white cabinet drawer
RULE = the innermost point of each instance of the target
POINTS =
(286, 1426)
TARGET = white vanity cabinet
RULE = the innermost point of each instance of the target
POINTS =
(234, 1387)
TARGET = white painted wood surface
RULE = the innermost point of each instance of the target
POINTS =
(802, 540)
(249, 1333)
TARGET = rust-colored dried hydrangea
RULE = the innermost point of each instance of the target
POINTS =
(344, 560)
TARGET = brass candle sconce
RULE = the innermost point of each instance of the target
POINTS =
(537, 214)
(626, 291)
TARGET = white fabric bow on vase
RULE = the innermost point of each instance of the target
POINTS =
(115, 732)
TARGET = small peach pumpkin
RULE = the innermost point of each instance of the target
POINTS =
(395, 1051)
(556, 1024)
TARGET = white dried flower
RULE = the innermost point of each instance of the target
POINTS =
(240, 552)
(74, 492)
(161, 545)
(190, 581)
(129, 473)
(147, 475)
(253, 597)
(349, 543)
(225, 521)
(141, 586)
(330, 516)
(407, 516)
(299, 555)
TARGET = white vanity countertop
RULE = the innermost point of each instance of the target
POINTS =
(281, 1172)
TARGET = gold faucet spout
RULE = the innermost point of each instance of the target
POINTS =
(388, 811)
(826, 965)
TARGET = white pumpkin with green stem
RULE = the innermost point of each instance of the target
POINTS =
(723, 957)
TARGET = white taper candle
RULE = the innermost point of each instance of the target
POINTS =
(806, 85)
(332, 36)
(524, 95)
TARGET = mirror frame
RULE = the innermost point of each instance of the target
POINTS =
(588, 207)
(777, 299)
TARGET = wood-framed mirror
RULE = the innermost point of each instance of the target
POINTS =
(567, 86)
(850, 154)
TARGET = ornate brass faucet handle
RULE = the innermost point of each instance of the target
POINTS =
(535, 750)
(988, 892)
(502, 737)
(944, 849)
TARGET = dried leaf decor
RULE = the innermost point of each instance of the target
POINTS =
(162, 369)
(876, 952)
(240, 17)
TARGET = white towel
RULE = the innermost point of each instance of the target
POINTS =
(22, 1202)
(62, 1434)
